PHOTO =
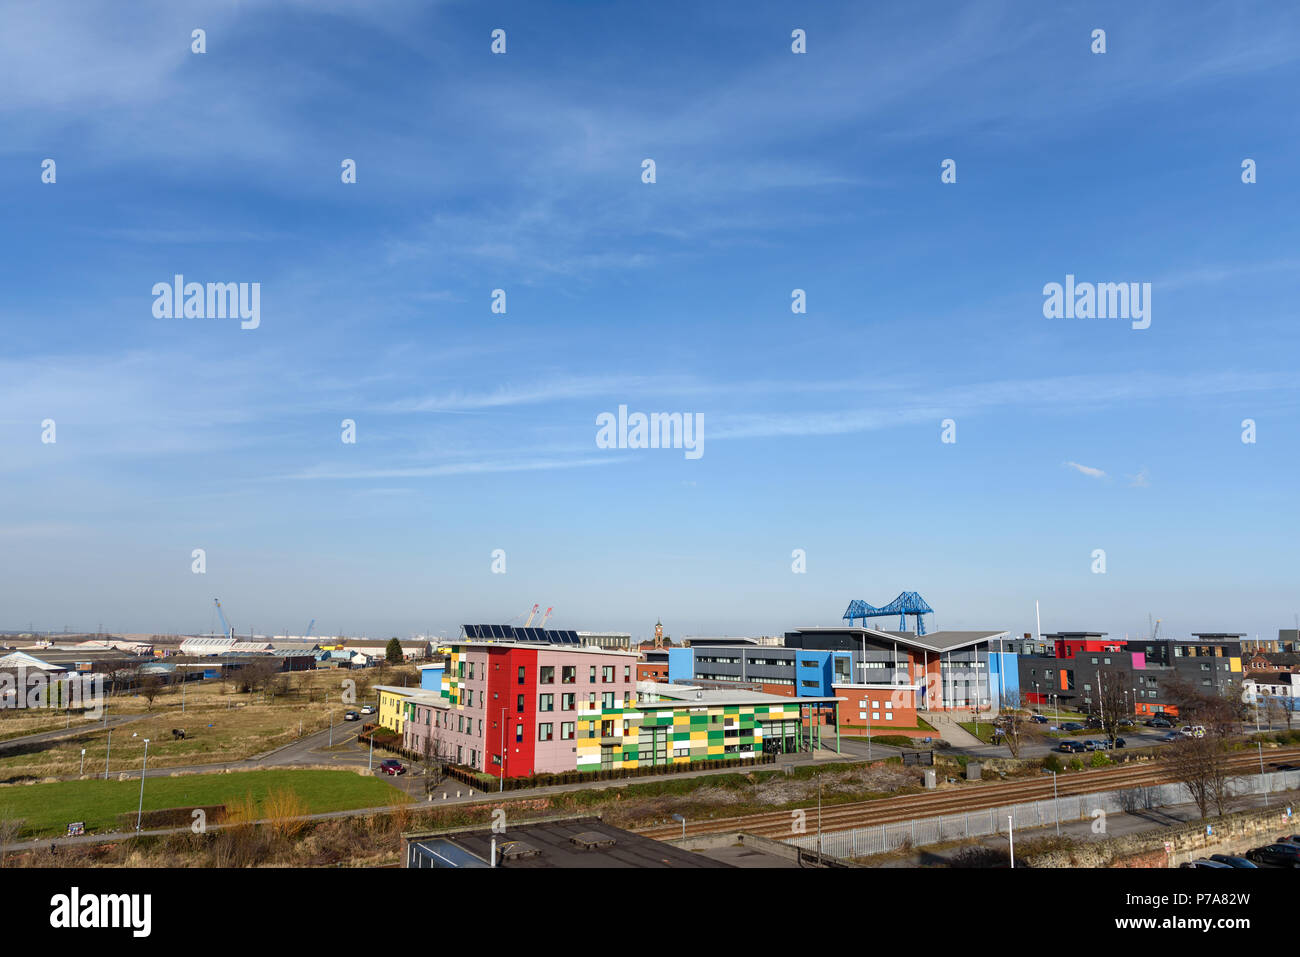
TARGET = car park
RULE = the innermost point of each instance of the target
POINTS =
(351, 716)
(392, 766)
(1233, 861)
(1093, 744)
(1070, 747)
(1289, 839)
(1202, 862)
(1174, 736)
(1276, 855)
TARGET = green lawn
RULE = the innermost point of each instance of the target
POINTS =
(47, 809)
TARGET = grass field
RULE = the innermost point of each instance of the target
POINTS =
(220, 725)
(47, 809)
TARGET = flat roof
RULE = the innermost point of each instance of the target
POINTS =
(547, 844)
(935, 641)
(540, 646)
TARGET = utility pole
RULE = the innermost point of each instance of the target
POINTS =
(107, 752)
(139, 814)
(1263, 783)
(1011, 837)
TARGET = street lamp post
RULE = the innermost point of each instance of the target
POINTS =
(370, 767)
(678, 817)
(107, 752)
(1262, 783)
(83, 763)
(1011, 837)
(139, 814)
(502, 785)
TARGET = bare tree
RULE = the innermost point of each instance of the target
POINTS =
(1014, 723)
(1201, 766)
(151, 686)
(1220, 711)
(434, 757)
(1114, 702)
(10, 828)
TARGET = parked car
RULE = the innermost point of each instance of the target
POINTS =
(1278, 855)
(1071, 726)
(1232, 860)
(1286, 767)
(1193, 730)
(392, 766)
(367, 709)
(1174, 736)
(1093, 744)
(1206, 863)
(351, 716)
(1120, 742)
(1070, 747)
(1158, 723)
(1289, 839)
(1038, 718)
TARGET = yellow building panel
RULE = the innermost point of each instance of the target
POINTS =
(1234, 664)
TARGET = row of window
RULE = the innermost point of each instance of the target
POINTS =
(546, 673)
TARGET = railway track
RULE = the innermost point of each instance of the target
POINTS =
(839, 817)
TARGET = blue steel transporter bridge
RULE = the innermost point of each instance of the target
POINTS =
(907, 603)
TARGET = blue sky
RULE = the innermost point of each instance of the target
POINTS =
(775, 171)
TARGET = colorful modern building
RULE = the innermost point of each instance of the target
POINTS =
(513, 704)
(1069, 668)
(684, 724)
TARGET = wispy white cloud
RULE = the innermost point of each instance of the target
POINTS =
(1141, 480)
(1087, 470)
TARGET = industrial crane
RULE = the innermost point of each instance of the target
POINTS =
(546, 618)
(307, 633)
(532, 615)
(229, 632)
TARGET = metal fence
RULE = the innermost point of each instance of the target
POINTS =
(860, 842)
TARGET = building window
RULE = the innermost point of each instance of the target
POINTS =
(519, 732)
(569, 674)
(607, 700)
(460, 754)
(544, 731)
(592, 679)
(566, 731)
(521, 674)
(471, 671)
(546, 675)
(480, 727)
(627, 672)
(607, 674)
(547, 703)
(567, 702)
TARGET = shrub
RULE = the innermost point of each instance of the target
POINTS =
(1052, 763)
